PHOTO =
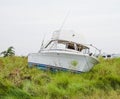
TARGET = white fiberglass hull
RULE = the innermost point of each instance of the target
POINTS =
(62, 60)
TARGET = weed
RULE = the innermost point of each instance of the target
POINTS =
(17, 81)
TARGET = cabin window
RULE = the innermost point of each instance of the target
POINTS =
(70, 46)
(79, 48)
(61, 46)
(52, 45)
(86, 51)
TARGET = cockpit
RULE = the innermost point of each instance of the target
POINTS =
(66, 45)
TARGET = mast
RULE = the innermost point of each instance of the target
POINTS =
(61, 27)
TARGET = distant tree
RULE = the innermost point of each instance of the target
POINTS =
(8, 52)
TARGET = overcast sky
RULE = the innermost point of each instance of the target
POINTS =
(23, 23)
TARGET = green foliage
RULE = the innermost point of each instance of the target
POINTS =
(17, 81)
(8, 91)
(8, 52)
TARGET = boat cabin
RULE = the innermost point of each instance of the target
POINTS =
(68, 41)
(66, 45)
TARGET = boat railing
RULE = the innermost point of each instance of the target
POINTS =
(70, 50)
(96, 52)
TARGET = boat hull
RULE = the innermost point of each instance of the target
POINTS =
(61, 60)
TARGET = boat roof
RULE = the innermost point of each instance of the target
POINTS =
(68, 35)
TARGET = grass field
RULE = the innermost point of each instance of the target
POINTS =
(17, 81)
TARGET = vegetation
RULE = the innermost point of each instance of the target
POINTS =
(8, 52)
(17, 81)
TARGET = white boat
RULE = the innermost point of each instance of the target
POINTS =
(65, 51)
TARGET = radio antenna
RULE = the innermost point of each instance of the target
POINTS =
(61, 27)
(42, 44)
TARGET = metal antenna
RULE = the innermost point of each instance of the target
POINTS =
(42, 43)
(64, 20)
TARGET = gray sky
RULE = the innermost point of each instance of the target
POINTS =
(23, 23)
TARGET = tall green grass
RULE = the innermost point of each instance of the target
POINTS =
(17, 81)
